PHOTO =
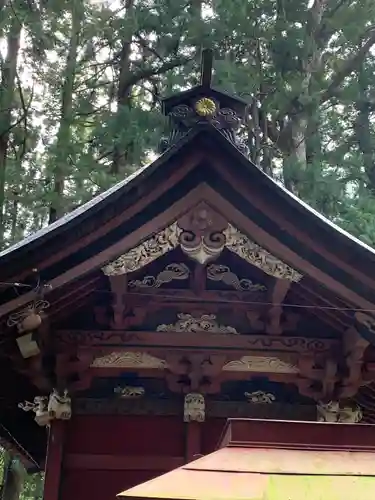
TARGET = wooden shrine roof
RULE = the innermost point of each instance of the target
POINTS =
(241, 165)
(290, 256)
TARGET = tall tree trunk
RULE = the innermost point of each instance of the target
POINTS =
(364, 137)
(120, 154)
(302, 107)
(63, 142)
(13, 479)
(7, 90)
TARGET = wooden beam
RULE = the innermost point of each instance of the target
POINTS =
(121, 246)
(278, 294)
(81, 461)
(193, 442)
(112, 340)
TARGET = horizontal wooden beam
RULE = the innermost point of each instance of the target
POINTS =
(83, 461)
(115, 339)
(214, 409)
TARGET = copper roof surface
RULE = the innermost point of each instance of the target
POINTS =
(266, 475)
(242, 469)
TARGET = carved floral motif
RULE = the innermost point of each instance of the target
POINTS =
(189, 323)
(260, 364)
(260, 397)
(223, 273)
(194, 407)
(170, 273)
(151, 249)
(254, 254)
(202, 234)
(129, 360)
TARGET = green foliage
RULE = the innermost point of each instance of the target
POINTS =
(85, 102)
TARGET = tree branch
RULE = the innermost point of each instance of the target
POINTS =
(347, 68)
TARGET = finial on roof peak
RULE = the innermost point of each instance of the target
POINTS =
(203, 106)
(206, 67)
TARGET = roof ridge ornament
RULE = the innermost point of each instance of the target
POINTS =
(204, 106)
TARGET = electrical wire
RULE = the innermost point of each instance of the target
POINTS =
(18, 445)
(244, 302)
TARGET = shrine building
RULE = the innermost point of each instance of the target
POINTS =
(194, 291)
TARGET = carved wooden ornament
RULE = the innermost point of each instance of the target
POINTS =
(202, 234)
(194, 407)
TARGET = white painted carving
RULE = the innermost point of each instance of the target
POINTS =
(149, 250)
(260, 397)
(218, 272)
(170, 273)
(332, 412)
(40, 408)
(189, 323)
(260, 364)
(129, 360)
(254, 254)
(129, 392)
(60, 405)
(28, 318)
(194, 407)
(206, 249)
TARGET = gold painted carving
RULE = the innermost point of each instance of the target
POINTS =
(260, 364)
(205, 106)
(189, 323)
(260, 397)
(223, 273)
(254, 254)
(202, 234)
(170, 273)
(129, 392)
(129, 360)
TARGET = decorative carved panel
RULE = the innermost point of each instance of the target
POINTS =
(195, 324)
(260, 364)
(202, 234)
(222, 273)
(129, 360)
(172, 272)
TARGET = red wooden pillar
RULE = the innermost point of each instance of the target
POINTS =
(54, 460)
(193, 444)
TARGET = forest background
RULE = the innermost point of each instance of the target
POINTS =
(81, 81)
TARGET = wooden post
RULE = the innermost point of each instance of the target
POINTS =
(54, 460)
(193, 446)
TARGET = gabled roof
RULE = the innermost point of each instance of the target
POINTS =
(347, 261)
(120, 189)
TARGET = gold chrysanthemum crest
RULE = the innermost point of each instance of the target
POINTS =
(205, 106)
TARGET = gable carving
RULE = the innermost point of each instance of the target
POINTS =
(125, 359)
(171, 272)
(194, 324)
(202, 234)
(262, 364)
